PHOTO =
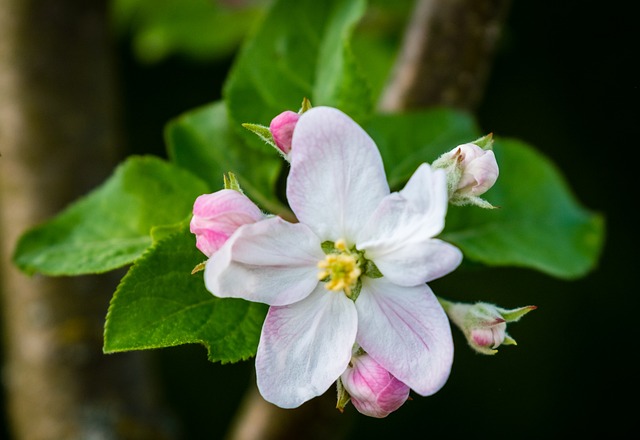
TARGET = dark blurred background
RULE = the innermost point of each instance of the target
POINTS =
(565, 80)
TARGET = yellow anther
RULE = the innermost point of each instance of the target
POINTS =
(341, 269)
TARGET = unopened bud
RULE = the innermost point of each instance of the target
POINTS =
(483, 324)
(279, 134)
(373, 390)
(479, 170)
(216, 216)
(471, 171)
(281, 128)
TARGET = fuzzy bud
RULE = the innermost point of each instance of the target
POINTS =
(471, 171)
(483, 324)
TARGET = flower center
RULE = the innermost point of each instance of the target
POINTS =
(340, 269)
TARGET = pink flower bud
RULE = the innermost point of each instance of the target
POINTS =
(484, 324)
(373, 390)
(281, 128)
(479, 169)
(216, 216)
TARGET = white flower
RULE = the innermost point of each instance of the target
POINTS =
(366, 286)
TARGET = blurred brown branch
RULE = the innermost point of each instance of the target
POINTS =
(57, 140)
(446, 54)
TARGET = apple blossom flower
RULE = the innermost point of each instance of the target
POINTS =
(471, 171)
(372, 389)
(216, 216)
(281, 129)
(483, 324)
(353, 270)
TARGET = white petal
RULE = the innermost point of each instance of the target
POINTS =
(416, 213)
(337, 178)
(398, 237)
(270, 261)
(407, 332)
(419, 262)
(304, 347)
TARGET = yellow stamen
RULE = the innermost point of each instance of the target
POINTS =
(341, 269)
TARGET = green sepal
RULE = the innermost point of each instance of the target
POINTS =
(328, 247)
(485, 142)
(469, 200)
(355, 291)
(306, 106)
(343, 396)
(199, 267)
(231, 182)
(371, 270)
(262, 132)
(515, 314)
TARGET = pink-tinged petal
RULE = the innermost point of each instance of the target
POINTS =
(479, 170)
(419, 262)
(337, 178)
(414, 214)
(271, 261)
(407, 332)
(304, 347)
(216, 216)
(489, 337)
(282, 127)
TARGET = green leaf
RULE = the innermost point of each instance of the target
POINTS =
(338, 81)
(202, 142)
(159, 303)
(199, 29)
(539, 223)
(111, 226)
(300, 50)
(407, 140)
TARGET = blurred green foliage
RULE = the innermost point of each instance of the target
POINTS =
(197, 29)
